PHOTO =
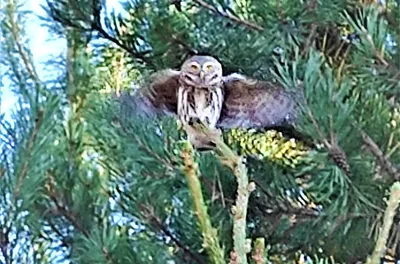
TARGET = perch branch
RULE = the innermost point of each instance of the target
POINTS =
(246, 23)
(210, 238)
(393, 203)
(239, 210)
(258, 252)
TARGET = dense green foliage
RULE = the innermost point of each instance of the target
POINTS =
(85, 180)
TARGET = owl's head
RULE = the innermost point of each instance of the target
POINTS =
(201, 71)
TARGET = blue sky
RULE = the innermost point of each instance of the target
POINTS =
(43, 46)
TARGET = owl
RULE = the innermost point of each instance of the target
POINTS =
(200, 92)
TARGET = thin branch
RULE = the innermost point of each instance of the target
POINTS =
(382, 159)
(4, 244)
(377, 55)
(95, 25)
(24, 55)
(28, 151)
(146, 148)
(120, 44)
(61, 208)
(210, 239)
(153, 219)
(336, 153)
(309, 40)
(246, 23)
(157, 224)
(393, 203)
(58, 232)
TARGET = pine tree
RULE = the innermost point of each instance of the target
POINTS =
(86, 179)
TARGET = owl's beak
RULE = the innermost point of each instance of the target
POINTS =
(202, 75)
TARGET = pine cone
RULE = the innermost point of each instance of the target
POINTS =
(340, 158)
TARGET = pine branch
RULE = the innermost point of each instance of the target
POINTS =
(4, 244)
(95, 25)
(21, 50)
(61, 208)
(310, 38)
(393, 203)
(239, 210)
(376, 53)
(246, 23)
(382, 159)
(28, 151)
(336, 153)
(279, 208)
(138, 55)
(156, 221)
(210, 239)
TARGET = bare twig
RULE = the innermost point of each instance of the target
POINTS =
(246, 23)
(382, 159)
(393, 203)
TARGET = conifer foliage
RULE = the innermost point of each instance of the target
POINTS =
(85, 178)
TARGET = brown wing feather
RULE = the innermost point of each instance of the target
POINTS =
(162, 91)
(255, 104)
(158, 97)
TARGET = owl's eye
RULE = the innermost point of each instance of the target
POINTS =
(194, 67)
(209, 67)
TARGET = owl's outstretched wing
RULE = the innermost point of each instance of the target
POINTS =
(255, 104)
(156, 98)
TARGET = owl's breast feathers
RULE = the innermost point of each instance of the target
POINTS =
(200, 103)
